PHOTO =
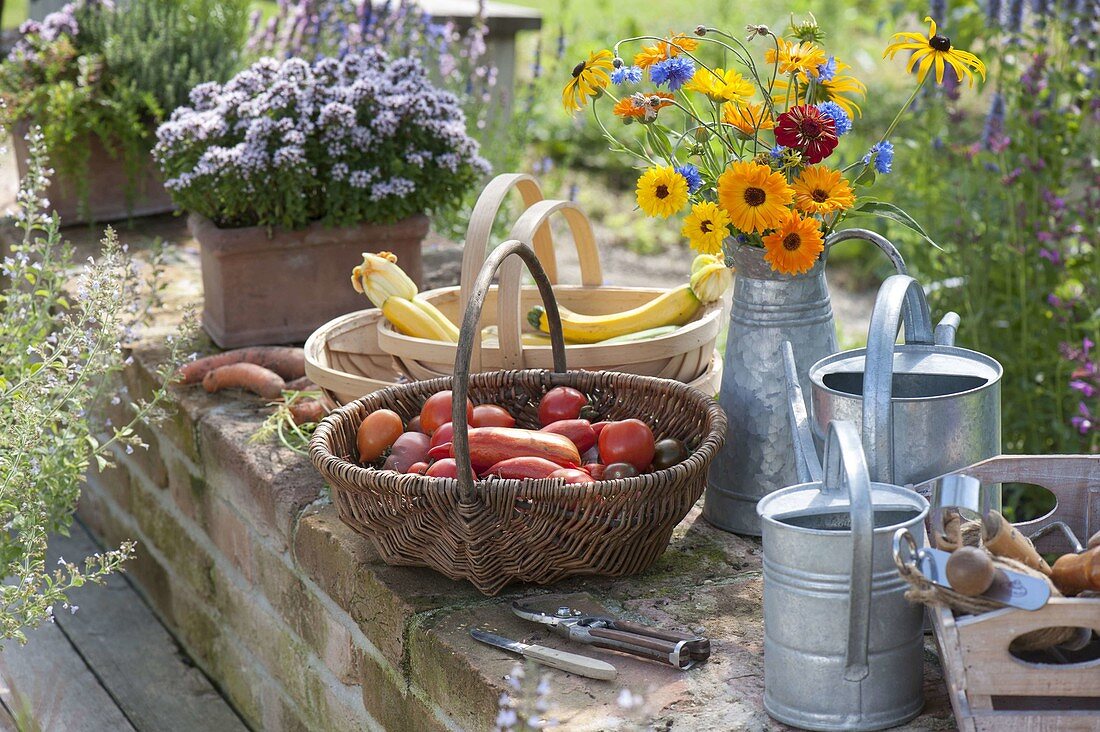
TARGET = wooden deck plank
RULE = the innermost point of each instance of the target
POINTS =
(47, 681)
(135, 658)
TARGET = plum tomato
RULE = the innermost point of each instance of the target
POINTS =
(618, 471)
(629, 441)
(436, 412)
(572, 475)
(491, 415)
(579, 431)
(668, 452)
(561, 402)
(376, 433)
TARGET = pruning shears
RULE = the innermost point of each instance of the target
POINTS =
(679, 650)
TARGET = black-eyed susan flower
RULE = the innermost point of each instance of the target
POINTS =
(794, 247)
(706, 227)
(832, 86)
(821, 190)
(721, 85)
(747, 117)
(662, 191)
(665, 49)
(755, 197)
(589, 79)
(805, 128)
(796, 57)
(935, 51)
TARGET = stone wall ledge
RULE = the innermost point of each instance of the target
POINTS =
(303, 626)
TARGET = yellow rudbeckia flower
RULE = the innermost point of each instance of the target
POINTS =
(589, 79)
(935, 51)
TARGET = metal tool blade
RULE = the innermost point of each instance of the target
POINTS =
(1021, 591)
(498, 640)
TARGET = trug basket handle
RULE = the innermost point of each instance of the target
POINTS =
(845, 466)
(471, 334)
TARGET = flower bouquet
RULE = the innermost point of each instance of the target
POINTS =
(748, 136)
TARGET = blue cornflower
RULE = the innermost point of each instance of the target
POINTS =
(883, 154)
(776, 152)
(827, 70)
(632, 74)
(836, 113)
(677, 71)
(691, 174)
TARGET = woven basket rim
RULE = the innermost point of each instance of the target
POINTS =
(417, 485)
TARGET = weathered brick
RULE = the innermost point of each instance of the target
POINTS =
(186, 487)
(392, 703)
(267, 484)
(115, 482)
(380, 598)
(230, 535)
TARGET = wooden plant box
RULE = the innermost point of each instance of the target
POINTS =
(993, 690)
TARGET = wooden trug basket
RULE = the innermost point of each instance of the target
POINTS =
(684, 355)
(492, 532)
(992, 690)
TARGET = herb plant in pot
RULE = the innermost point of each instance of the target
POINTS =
(291, 170)
(97, 80)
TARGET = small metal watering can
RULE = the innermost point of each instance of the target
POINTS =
(842, 645)
(927, 407)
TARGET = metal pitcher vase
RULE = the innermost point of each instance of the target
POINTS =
(768, 309)
(843, 648)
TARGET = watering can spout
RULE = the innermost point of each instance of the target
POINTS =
(805, 453)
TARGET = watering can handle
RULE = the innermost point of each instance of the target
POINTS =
(900, 299)
(878, 240)
(945, 331)
(805, 454)
(845, 465)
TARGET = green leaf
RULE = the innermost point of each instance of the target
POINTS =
(866, 176)
(875, 207)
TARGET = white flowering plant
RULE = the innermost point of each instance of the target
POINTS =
(61, 349)
(361, 138)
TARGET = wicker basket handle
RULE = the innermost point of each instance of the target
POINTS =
(470, 334)
(509, 309)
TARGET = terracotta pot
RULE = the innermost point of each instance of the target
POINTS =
(107, 186)
(279, 288)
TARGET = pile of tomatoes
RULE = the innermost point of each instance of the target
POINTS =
(568, 446)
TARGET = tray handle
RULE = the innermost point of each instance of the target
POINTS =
(470, 335)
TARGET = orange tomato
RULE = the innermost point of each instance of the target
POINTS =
(377, 433)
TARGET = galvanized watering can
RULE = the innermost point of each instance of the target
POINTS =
(927, 407)
(842, 645)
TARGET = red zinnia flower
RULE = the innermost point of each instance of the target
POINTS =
(805, 128)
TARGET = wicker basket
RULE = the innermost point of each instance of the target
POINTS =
(344, 359)
(492, 532)
(684, 355)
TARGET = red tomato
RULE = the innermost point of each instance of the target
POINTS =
(629, 441)
(417, 468)
(579, 431)
(561, 402)
(413, 425)
(442, 434)
(572, 475)
(437, 412)
(445, 468)
(597, 427)
(490, 415)
(596, 470)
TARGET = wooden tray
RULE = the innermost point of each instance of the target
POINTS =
(685, 355)
(990, 688)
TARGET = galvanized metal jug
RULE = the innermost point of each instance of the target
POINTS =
(842, 646)
(768, 309)
(927, 407)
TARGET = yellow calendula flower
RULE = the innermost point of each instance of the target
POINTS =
(755, 197)
(662, 191)
(665, 49)
(721, 85)
(794, 247)
(935, 51)
(794, 57)
(706, 227)
(820, 190)
(589, 79)
(748, 118)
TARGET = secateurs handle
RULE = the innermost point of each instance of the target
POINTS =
(681, 650)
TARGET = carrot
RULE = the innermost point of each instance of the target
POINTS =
(287, 362)
(255, 379)
(303, 384)
(307, 410)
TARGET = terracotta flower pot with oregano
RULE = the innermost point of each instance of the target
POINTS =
(291, 170)
(97, 79)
